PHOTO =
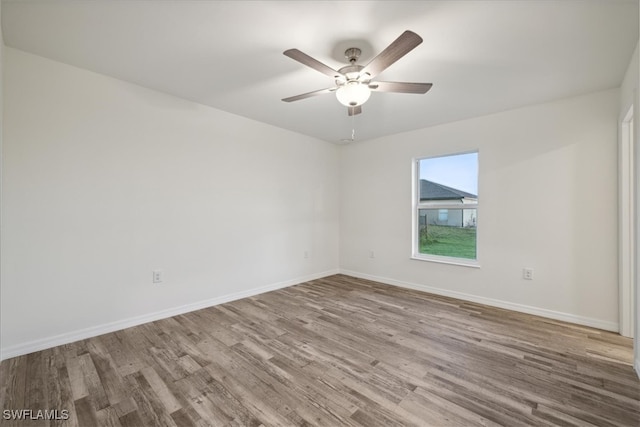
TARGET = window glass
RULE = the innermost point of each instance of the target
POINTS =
(447, 206)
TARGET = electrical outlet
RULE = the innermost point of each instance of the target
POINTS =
(157, 276)
(306, 254)
(372, 254)
(527, 273)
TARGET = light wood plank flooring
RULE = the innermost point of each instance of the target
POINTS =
(335, 351)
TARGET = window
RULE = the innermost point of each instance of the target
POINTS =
(446, 208)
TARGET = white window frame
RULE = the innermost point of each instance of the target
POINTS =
(415, 216)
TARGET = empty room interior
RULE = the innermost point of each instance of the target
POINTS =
(359, 213)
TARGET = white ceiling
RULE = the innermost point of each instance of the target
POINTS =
(481, 56)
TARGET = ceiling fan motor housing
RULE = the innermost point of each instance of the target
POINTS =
(349, 73)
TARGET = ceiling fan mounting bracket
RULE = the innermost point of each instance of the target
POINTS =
(352, 54)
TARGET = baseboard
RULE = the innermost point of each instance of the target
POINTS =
(42, 344)
(556, 315)
(80, 334)
(637, 367)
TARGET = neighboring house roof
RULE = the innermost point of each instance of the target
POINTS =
(433, 191)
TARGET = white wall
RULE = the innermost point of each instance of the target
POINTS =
(547, 200)
(105, 181)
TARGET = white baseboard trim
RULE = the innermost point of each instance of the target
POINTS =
(80, 334)
(543, 312)
(637, 367)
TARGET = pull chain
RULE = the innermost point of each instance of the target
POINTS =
(353, 128)
(353, 131)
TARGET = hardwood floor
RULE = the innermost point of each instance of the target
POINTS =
(335, 351)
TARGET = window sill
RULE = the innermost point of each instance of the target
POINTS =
(446, 260)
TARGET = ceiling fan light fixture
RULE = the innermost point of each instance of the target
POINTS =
(353, 94)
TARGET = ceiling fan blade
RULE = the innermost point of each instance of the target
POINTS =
(354, 110)
(305, 59)
(396, 50)
(309, 94)
(400, 87)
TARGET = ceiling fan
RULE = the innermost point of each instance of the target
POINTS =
(353, 83)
